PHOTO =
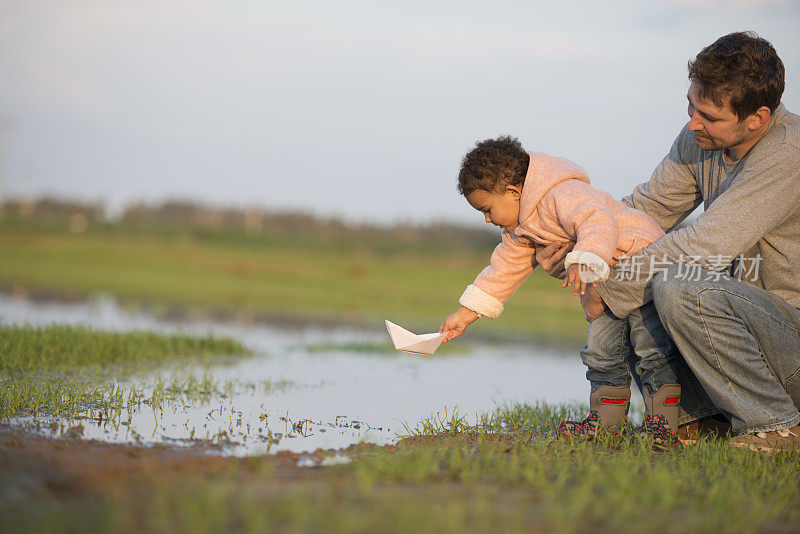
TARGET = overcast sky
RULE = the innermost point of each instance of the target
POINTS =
(357, 109)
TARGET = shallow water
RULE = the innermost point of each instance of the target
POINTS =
(343, 396)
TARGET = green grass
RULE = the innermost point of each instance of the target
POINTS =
(500, 472)
(91, 396)
(332, 280)
(61, 348)
(61, 369)
(702, 488)
(491, 478)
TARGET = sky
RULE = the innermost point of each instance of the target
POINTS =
(355, 109)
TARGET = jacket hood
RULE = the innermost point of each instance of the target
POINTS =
(544, 172)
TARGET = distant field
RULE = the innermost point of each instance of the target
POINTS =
(341, 279)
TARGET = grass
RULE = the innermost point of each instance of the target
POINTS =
(90, 397)
(55, 347)
(487, 478)
(59, 369)
(501, 472)
(85, 397)
(610, 485)
(331, 280)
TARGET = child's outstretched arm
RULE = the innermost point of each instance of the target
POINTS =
(455, 323)
(511, 264)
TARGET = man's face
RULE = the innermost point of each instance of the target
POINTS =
(715, 127)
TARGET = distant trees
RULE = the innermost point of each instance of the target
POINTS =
(252, 222)
(77, 215)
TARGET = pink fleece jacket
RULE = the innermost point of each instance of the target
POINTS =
(558, 204)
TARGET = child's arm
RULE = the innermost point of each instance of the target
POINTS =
(583, 214)
(512, 262)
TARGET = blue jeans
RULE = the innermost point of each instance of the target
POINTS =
(741, 342)
(639, 338)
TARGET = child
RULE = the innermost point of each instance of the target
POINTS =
(541, 199)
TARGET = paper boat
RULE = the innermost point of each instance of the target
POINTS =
(415, 344)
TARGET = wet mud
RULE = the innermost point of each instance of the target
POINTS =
(69, 468)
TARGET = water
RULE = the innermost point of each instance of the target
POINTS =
(343, 396)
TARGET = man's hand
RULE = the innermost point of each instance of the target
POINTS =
(455, 324)
(592, 302)
(551, 257)
(578, 274)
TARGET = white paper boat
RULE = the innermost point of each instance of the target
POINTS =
(415, 344)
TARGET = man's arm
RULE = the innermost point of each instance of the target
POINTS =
(552, 256)
(765, 192)
(669, 197)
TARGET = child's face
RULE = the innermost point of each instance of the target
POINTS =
(499, 208)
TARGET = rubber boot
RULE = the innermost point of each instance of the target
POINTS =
(608, 409)
(661, 411)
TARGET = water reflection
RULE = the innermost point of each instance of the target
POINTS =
(329, 397)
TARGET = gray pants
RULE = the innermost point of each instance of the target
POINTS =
(740, 349)
(638, 341)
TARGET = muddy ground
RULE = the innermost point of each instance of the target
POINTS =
(494, 484)
(68, 468)
(69, 485)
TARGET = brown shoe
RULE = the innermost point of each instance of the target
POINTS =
(715, 426)
(775, 440)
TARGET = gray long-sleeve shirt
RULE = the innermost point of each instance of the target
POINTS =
(752, 208)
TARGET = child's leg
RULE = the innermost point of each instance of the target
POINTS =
(660, 389)
(607, 347)
(695, 404)
(606, 350)
(653, 349)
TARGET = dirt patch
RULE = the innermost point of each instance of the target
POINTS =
(70, 468)
(74, 467)
(80, 484)
(58, 468)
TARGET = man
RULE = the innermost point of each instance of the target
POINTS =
(725, 287)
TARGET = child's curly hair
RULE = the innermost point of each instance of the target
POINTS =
(492, 165)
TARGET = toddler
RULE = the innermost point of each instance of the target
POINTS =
(540, 199)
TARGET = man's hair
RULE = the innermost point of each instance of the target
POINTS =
(493, 165)
(743, 66)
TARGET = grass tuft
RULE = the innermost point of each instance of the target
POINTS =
(56, 347)
(58, 369)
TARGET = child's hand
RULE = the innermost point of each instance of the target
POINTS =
(577, 273)
(455, 324)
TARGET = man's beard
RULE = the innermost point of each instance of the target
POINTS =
(706, 143)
